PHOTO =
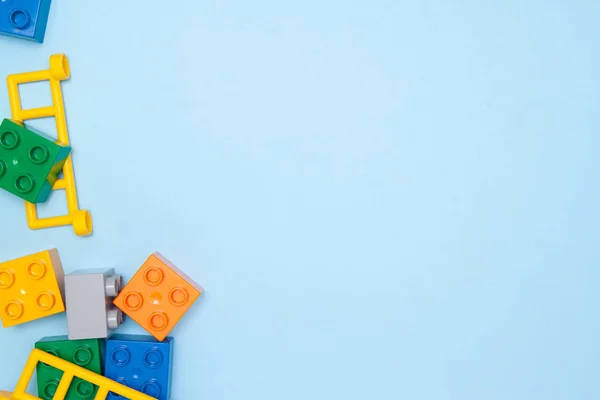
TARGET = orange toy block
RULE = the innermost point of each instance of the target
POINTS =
(158, 295)
(31, 288)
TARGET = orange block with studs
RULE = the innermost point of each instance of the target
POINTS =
(31, 288)
(158, 295)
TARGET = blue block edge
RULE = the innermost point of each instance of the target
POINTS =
(38, 12)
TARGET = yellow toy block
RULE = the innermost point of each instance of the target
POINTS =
(70, 371)
(81, 220)
(5, 395)
(31, 288)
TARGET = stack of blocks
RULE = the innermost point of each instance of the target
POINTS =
(157, 297)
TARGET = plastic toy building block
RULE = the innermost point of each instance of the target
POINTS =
(29, 162)
(31, 288)
(88, 354)
(89, 294)
(158, 295)
(140, 362)
(81, 220)
(69, 372)
(5, 395)
(24, 19)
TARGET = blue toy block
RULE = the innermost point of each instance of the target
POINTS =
(140, 362)
(24, 19)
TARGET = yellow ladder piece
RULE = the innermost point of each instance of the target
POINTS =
(70, 371)
(81, 220)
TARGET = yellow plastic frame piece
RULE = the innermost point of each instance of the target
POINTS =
(70, 371)
(81, 220)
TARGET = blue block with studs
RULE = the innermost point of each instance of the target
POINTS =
(140, 362)
(24, 19)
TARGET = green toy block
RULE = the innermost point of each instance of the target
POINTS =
(29, 161)
(87, 353)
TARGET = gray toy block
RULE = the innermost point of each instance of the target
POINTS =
(89, 295)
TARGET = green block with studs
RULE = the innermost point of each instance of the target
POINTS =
(29, 161)
(87, 353)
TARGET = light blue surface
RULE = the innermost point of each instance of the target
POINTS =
(382, 199)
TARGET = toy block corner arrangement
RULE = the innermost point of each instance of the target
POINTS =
(91, 361)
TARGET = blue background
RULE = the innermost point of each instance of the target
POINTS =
(382, 199)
